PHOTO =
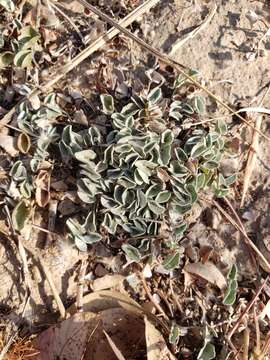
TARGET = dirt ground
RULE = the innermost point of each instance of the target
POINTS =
(232, 56)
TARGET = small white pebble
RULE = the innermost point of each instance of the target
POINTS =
(147, 272)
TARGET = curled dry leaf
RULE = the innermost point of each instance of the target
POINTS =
(111, 328)
(23, 143)
(155, 344)
(42, 183)
(107, 282)
(8, 143)
(207, 271)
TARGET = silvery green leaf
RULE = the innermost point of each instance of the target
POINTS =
(132, 252)
(94, 136)
(174, 334)
(90, 222)
(91, 238)
(187, 108)
(193, 193)
(165, 154)
(155, 95)
(101, 166)
(153, 191)
(233, 273)
(163, 197)
(89, 187)
(167, 137)
(107, 104)
(179, 230)
(141, 198)
(177, 169)
(8, 5)
(221, 127)
(109, 223)
(128, 197)
(85, 197)
(152, 228)
(130, 109)
(180, 154)
(220, 143)
(149, 147)
(207, 352)
(19, 216)
(122, 148)
(230, 179)
(81, 245)
(126, 182)
(85, 155)
(210, 165)
(114, 173)
(176, 115)
(75, 228)
(117, 194)
(198, 150)
(139, 101)
(107, 202)
(155, 207)
(229, 296)
(6, 57)
(181, 209)
(172, 261)
(200, 181)
(25, 189)
(109, 154)
(23, 58)
(199, 105)
(138, 179)
(144, 174)
(18, 171)
(89, 170)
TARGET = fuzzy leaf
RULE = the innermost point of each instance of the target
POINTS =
(132, 252)
(91, 238)
(199, 105)
(20, 215)
(155, 207)
(221, 127)
(163, 197)
(174, 334)
(107, 104)
(8, 5)
(155, 95)
(172, 261)
(23, 58)
(207, 352)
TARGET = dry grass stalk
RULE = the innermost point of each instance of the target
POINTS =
(167, 60)
(93, 47)
(80, 286)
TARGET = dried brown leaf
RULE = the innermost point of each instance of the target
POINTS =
(207, 271)
(8, 143)
(107, 282)
(42, 183)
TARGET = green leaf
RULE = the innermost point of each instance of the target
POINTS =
(155, 207)
(167, 137)
(179, 230)
(208, 352)
(18, 171)
(132, 252)
(200, 181)
(233, 273)
(91, 238)
(230, 179)
(25, 189)
(6, 58)
(75, 228)
(81, 245)
(163, 197)
(221, 127)
(198, 150)
(230, 296)
(23, 59)
(20, 215)
(172, 261)
(174, 334)
(180, 154)
(85, 156)
(199, 105)
(107, 104)
(155, 95)
(8, 5)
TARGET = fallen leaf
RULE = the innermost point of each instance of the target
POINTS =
(107, 282)
(155, 344)
(115, 349)
(107, 299)
(209, 272)
(20, 215)
(42, 183)
(24, 143)
(8, 143)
